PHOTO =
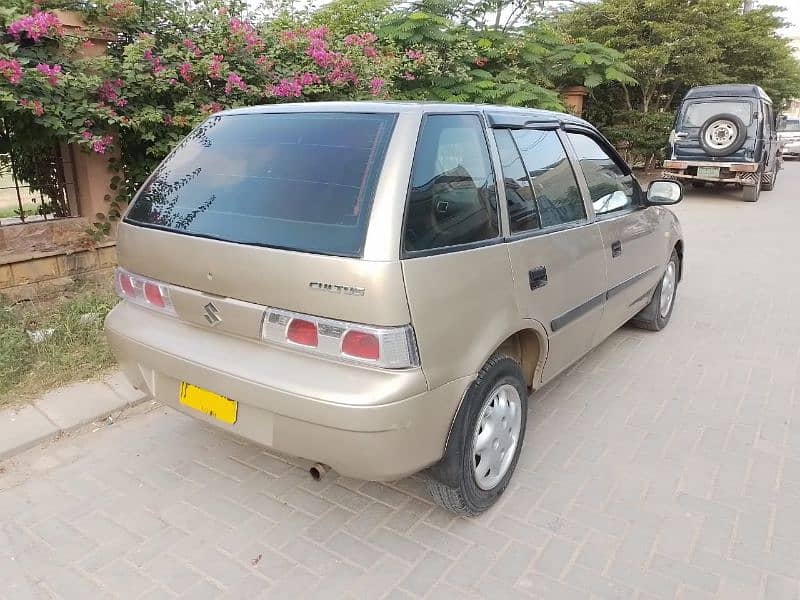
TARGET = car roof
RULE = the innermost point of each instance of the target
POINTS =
(728, 90)
(494, 112)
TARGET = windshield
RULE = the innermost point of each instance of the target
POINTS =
(697, 113)
(301, 181)
(792, 125)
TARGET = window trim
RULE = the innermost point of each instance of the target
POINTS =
(612, 153)
(499, 239)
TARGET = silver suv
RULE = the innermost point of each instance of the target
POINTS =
(379, 287)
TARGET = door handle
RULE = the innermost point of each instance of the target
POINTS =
(616, 249)
(537, 278)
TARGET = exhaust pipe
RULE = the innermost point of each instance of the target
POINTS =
(318, 471)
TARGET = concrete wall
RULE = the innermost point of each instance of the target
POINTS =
(46, 274)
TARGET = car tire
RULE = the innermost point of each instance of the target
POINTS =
(751, 193)
(722, 135)
(698, 184)
(656, 315)
(496, 400)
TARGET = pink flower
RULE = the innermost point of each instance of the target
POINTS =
(481, 61)
(376, 85)
(36, 26)
(408, 76)
(288, 37)
(51, 73)
(121, 102)
(167, 119)
(11, 70)
(215, 68)
(190, 45)
(185, 71)
(212, 107)
(109, 90)
(416, 55)
(246, 31)
(87, 135)
(370, 52)
(148, 54)
(318, 33)
(265, 62)
(87, 44)
(288, 89)
(360, 39)
(307, 78)
(100, 146)
(234, 81)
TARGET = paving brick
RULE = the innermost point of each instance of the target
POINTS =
(555, 557)
(21, 428)
(79, 404)
(429, 570)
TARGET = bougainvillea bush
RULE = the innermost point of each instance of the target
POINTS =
(166, 69)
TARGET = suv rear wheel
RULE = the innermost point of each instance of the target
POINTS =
(485, 441)
(752, 192)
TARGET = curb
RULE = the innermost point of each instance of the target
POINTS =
(64, 410)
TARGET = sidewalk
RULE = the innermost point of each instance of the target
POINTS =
(63, 410)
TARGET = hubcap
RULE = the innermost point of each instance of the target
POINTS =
(496, 435)
(668, 289)
(721, 134)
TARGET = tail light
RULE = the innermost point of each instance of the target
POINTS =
(143, 291)
(387, 347)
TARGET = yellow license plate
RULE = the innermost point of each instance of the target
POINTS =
(212, 404)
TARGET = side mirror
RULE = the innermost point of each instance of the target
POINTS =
(664, 192)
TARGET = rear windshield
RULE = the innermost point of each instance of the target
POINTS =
(790, 125)
(301, 181)
(698, 113)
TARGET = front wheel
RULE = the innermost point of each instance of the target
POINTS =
(656, 315)
(485, 441)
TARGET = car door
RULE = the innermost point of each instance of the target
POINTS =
(556, 251)
(455, 266)
(630, 230)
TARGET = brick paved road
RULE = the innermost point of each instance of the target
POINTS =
(662, 466)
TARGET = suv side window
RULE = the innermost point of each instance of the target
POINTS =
(769, 120)
(611, 190)
(453, 199)
(554, 185)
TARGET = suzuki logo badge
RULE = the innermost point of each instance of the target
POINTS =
(212, 314)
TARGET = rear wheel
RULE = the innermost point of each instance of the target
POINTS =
(752, 192)
(656, 315)
(485, 441)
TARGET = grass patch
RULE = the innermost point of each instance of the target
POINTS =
(76, 350)
(12, 211)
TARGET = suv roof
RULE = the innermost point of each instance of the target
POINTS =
(728, 90)
(496, 113)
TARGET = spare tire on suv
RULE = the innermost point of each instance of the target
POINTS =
(723, 134)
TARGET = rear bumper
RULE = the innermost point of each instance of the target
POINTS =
(729, 172)
(366, 423)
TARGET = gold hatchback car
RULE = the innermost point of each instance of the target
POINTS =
(380, 286)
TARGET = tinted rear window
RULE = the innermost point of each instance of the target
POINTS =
(698, 113)
(301, 181)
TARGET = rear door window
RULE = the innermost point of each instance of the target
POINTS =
(697, 113)
(453, 198)
(300, 181)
